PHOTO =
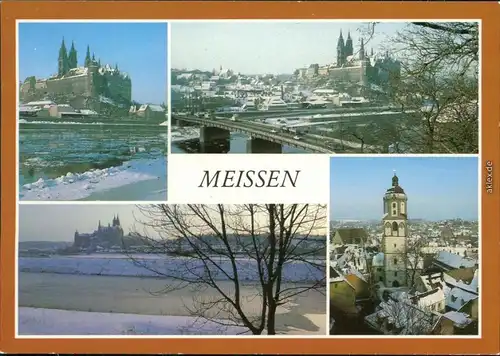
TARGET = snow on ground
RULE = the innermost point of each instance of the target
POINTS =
(164, 123)
(298, 272)
(74, 186)
(36, 122)
(22, 121)
(37, 321)
(180, 134)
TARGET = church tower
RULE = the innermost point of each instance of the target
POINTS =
(348, 45)
(340, 51)
(395, 233)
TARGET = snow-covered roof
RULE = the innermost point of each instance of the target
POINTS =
(457, 298)
(454, 260)
(88, 112)
(29, 108)
(458, 318)
(429, 298)
(151, 107)
(39, 103)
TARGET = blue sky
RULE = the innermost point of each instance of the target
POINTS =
(437, 188)
(267, 47)
(140, 49)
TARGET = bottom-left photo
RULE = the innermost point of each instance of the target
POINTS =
(164, 269)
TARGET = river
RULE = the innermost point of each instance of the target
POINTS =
(139, 296)
(49, 152)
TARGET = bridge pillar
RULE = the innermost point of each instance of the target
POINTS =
(257, 145)
(214, 140)
(210, 134)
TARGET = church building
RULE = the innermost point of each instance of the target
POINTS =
(390, 266)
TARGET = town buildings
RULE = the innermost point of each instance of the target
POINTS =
(401, 281)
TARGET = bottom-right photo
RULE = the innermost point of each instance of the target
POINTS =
(404, 246)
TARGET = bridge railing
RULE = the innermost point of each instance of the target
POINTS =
(246, 127)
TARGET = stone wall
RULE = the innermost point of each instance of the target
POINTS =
(79, 85)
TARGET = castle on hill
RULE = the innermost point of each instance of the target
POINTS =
(104, 236)
(84, 87)
(356, 65)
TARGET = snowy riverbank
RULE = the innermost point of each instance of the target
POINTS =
(75, 186)
(296, 272)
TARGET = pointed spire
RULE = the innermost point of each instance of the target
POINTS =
(87, 57)
(93, 57)
(348, 34)
(341, 34)
(63, 64)
(362, 50)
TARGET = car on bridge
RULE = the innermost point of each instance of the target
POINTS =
(296, 137)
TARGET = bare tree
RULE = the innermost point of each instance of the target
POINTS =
(434, 83)
(439, 84)
(414, 259)
(220, 248)
(401, 316)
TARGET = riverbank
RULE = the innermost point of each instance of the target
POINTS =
(146, 307)
(141, 179)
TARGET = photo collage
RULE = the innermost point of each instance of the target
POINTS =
(383, 113)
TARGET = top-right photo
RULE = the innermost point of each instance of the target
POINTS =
(325, 87)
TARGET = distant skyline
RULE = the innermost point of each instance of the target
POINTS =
(437, 188)
(267, 47)
(59, 222)
(139, 49)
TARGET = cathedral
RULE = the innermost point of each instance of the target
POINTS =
(357, 66)
(104, 236)
(80, 84)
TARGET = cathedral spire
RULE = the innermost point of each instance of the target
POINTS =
(87, 57)
(362, 50)
(72, 57)
(63, 65)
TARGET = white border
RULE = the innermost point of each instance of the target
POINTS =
(169, 64)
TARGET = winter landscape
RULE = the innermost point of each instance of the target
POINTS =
(358, 87)
(133, 277)
(416, 269)
(90, 129)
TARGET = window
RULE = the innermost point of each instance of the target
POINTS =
(381, 279)
(335, 285)
(394, 245)
(395, 274)
(395, 261)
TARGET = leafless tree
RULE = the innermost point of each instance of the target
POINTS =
(437, 89)
(400, 316)
(414, 258)
(218, 249)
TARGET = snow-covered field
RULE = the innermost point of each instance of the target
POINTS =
(38, 321)
(174, 267)
(74, 186)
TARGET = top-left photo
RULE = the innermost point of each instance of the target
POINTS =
(92, 110)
